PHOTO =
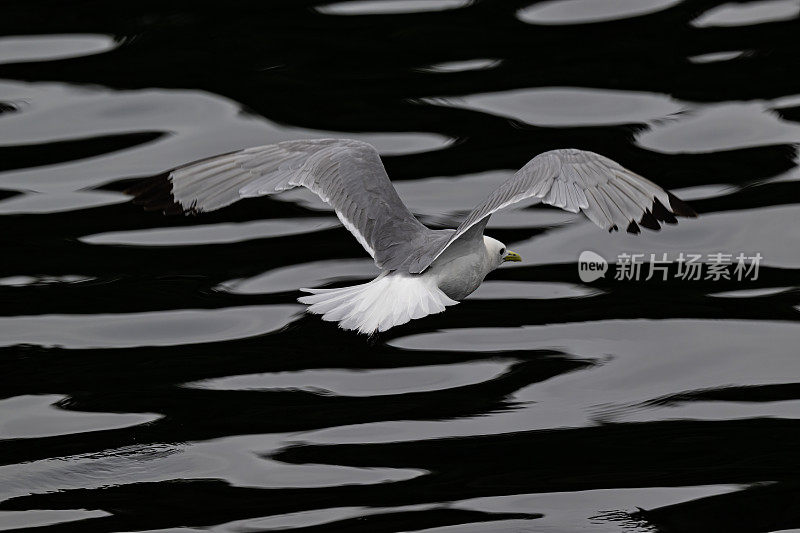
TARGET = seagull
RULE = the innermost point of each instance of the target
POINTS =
(423, 270)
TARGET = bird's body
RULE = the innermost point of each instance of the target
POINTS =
(394, 297)
(423, 271)
(462, 267)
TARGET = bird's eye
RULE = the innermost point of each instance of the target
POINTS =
(502, 251)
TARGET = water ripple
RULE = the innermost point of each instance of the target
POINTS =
(157, 373)
(25, 48)
(161, 328)
(590, 11)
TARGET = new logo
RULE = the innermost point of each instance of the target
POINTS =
(591, 266)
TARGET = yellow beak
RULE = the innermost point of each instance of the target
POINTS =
(512, 256)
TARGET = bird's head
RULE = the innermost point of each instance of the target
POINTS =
(498, 253)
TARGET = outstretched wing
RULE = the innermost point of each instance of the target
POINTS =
(610, 195)
(346, 174)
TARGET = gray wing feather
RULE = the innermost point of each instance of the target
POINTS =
(608, 194)
(347, 174)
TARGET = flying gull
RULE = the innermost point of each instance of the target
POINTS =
(422, 270)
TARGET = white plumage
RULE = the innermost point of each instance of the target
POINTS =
(391, 299)
(423, 270)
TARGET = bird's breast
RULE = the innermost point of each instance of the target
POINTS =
(459, 277)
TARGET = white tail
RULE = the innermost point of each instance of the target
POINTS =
(389, 300)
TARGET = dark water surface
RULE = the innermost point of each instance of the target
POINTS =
(156, 373)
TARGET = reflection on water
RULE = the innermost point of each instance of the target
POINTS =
(587, 11)
(387, 7)
(461, 66)
(23, 48)
(717, 56)
(568, 106)
(721, 127)
(157, 374)
(26, 417)
(157, 328)
(750, 13)
(365, 383)
(56, 202)
(213, 233)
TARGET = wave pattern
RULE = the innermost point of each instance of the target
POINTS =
(157, 374)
